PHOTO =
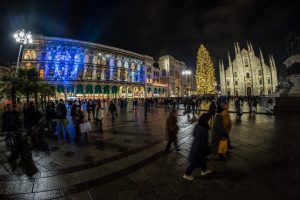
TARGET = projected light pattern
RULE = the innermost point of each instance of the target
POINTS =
(64, 61)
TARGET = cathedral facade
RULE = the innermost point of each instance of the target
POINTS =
(247, 74)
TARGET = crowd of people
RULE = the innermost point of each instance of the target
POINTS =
(56, 121)
(219, 129)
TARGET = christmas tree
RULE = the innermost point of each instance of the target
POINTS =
(205, 72)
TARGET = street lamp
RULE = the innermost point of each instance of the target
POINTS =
(23, 38)
(186, 73)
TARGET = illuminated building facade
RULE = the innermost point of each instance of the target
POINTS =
(248, 74)
(87, 70)
(171, 75)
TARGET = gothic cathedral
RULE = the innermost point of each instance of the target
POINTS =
(248, 74)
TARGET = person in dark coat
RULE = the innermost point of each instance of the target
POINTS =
(172, 130)
(200, 148)
(10, 119)
(112, 109)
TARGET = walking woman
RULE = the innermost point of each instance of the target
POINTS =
(200, 148)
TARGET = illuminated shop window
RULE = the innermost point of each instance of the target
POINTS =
(41, 73)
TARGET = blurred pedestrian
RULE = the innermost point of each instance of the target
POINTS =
(200, 148)
(172, 130)
(61, 114)
(112, 110)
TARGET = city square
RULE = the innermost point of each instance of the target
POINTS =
(117, 105)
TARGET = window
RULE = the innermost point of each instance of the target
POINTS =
(228, 83)
(235, 74)
(260, 81)
(246, 61)
(247, 75)
(236, 83)
(269, 81)
(259, 72)
(41, 73)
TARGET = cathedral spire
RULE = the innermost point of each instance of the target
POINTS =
(238, 47)
(273, 62)
(261, 56)
(229, 59)
(235, 49)
(270, 62)
(250, 44)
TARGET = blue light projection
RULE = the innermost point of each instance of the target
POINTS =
(62, 62)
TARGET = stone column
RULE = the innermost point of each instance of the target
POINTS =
(84, 72)
(84, 91)
(94, 75)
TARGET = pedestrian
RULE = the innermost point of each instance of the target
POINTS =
(88, 110)
(112, 110)
(79, 119)
(239, 109)
(10, 119)
(33, 119)
(61, 114)
(99, 116)
(171, 131)
(200, 148)
(221, 129)
(212, 110)
(93, 107)
(50, 113)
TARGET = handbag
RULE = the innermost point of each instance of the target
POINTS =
(223, 146)
(85, 127)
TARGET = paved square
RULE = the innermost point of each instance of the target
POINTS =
(127, 161)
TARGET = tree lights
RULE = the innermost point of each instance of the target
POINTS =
(205, 73)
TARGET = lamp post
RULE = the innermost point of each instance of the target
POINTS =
(23, 38)
(186, 73)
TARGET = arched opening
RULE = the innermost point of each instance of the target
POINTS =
(236, 93)
(70, 90)
(247, 75)
(97, 91)
(248, 91)
(106, 91)
(269, 91)
(114, 91)
(61, 91)
(60, 88)
(89, 91)
(79, 91)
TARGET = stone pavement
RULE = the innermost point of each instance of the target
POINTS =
(128, 162)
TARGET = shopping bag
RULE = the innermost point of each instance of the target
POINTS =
(223, 146)
(85, 127)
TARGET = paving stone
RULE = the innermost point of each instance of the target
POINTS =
(79, 196)
(69, 153)
(144, 187)
(54, 148)
(89, 158)
(149, 196)
(128, 195)
(17, 187)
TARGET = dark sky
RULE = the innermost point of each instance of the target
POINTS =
(156, 27)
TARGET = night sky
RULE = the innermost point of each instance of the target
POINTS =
(157, 27)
